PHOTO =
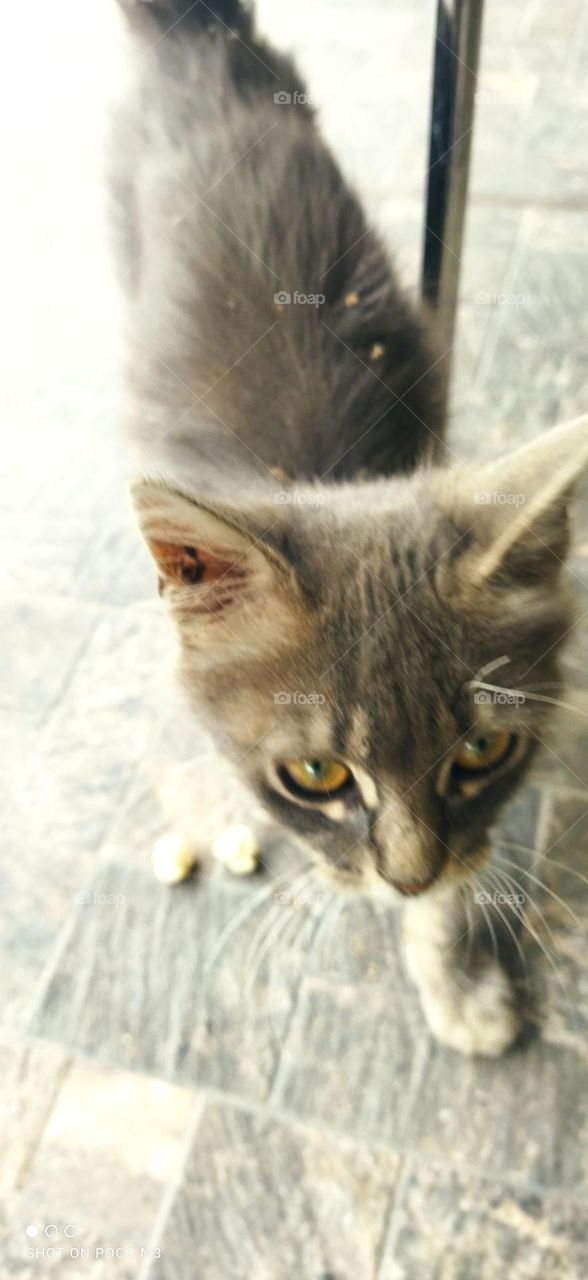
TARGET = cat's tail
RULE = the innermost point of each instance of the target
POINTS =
(189, 15)
(222, 34)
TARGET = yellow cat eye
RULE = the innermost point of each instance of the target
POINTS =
(483, 750)
(317, 777)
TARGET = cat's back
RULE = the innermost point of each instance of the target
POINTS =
(262, 309)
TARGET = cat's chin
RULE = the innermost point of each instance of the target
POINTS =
(368, 883)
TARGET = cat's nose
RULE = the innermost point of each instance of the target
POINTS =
(407, 839)
(412, 888)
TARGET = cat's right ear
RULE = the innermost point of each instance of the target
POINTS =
(219, 576)
(517, 510)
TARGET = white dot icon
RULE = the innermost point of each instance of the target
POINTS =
(52, 1231)
(32, 1230)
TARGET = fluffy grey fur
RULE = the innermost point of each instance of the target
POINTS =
(338, 592)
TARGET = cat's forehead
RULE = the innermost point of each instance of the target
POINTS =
(395, 672)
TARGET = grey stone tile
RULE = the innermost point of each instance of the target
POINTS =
(83, 544)
(18, 742)
(565, 1018)
(263, 1199)
(540, 340)
(38, 883)
(564, 752)
(357, 941)
(35, 672)
(490, 234)
(65, 792)
(465, 436)
(456, 1224)
(486, 420)
(523, 152)
(30, 1077)
(99, 732)
(353, 1056)
(565, 841)
(42, 552)
(138, 984)
(107, 1130)
(118, 569)
(518, 1116)
(553, 230)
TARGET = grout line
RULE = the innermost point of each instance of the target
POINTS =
(174, 1187)
(51, 967)
(60, 1079)
(275, 1082)
(390, 1233)
(264, 1110)
(389, 1216)
(364, 1139)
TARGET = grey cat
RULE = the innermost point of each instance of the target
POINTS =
(342, 594)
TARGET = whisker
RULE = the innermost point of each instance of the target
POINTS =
(544, 886)
(279, 924)
(527, 695)
(280, 931)
(245, 909)
(382, 914)
(545, 857)
(506, 922)
(331, 917)
(269, 928)
(510, 880)
(543, 948)
(474, 883)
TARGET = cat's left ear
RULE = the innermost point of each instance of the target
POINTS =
(218, 575)
(518, 507)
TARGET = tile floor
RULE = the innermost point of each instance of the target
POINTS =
(152, 1108)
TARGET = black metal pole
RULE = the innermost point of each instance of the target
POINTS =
(457, 47)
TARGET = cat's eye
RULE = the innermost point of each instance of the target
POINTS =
(483, 750)
(317, 779)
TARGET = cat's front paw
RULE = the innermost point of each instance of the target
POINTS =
(480, 1019)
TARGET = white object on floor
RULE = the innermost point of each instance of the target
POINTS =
(172, 859)
(237, 849)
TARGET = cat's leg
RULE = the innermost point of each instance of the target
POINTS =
(467, 996)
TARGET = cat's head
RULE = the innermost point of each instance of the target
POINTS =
(368, 651)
